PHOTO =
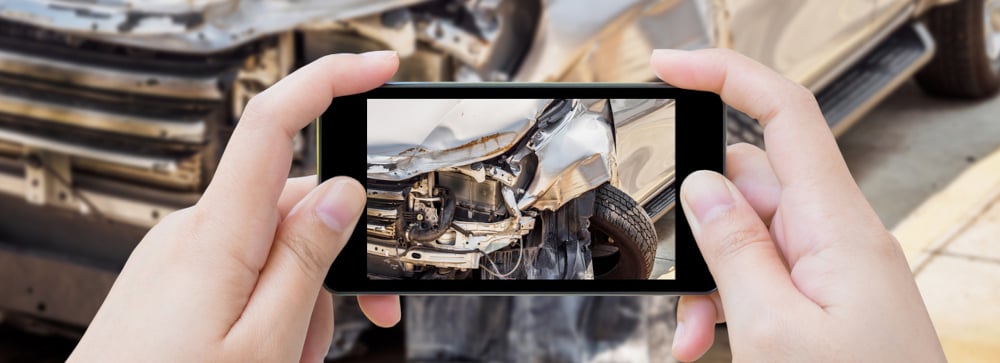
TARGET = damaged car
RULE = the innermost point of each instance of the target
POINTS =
(517, 188)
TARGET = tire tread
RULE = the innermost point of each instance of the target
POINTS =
(624, 214)
(960, 67)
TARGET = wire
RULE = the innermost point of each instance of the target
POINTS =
(496, 270)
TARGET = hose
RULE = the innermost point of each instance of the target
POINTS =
(432, 234)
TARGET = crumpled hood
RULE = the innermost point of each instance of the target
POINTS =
(407, 137)
(190, 26)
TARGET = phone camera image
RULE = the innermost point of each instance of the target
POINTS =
(519, 189)
(522, 188)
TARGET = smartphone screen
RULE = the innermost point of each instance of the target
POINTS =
(520, 189)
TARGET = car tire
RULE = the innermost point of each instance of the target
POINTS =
(623, 240)
(966, 63)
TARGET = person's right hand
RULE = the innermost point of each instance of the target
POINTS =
(806, 270)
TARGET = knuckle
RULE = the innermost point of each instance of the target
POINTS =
(803, 94)
(256, 109)
(305, 251)
(738, 238)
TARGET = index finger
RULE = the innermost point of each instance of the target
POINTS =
(253, 169)
(800, 145)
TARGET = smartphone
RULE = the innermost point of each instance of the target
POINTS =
(521, 188)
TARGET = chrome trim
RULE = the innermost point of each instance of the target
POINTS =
(193, 132)
(154, 164)
(381, 213)
(187, 175)
(156, 84)
(842, 65)
(387, 231)
(12, 184)
(460, 260)
(127, 210)
(663, 184)
(861, 110)
(109, 206)
(384, 194)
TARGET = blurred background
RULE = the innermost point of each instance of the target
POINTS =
(113, 114)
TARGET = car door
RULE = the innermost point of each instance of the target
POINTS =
(804, 40)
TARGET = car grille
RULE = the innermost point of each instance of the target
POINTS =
(128, 133)
(385, 202)
(139, 116)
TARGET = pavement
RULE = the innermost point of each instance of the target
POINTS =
(951, 242)
(931, 169)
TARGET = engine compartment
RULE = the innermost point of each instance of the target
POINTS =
(443, 224)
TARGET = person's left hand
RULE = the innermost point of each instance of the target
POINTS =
(238, 277)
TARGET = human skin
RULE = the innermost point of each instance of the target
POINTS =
(238, 277)
(805, 269)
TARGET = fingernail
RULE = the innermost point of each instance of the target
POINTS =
(706, 194)
(341, 204)
(678, 333)
(662, 53)
(380, 55)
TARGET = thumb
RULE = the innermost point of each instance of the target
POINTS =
(736, 246)
(305, 244)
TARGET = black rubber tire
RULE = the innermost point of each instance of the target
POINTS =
(961, 67)
(617, 215)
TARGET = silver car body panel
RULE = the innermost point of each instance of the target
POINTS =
(610, 41)
(575, 40)
(646, 135)
(408, 137)
(189, 26)
(574, 156)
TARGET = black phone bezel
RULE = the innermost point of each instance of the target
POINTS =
(700, 144)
